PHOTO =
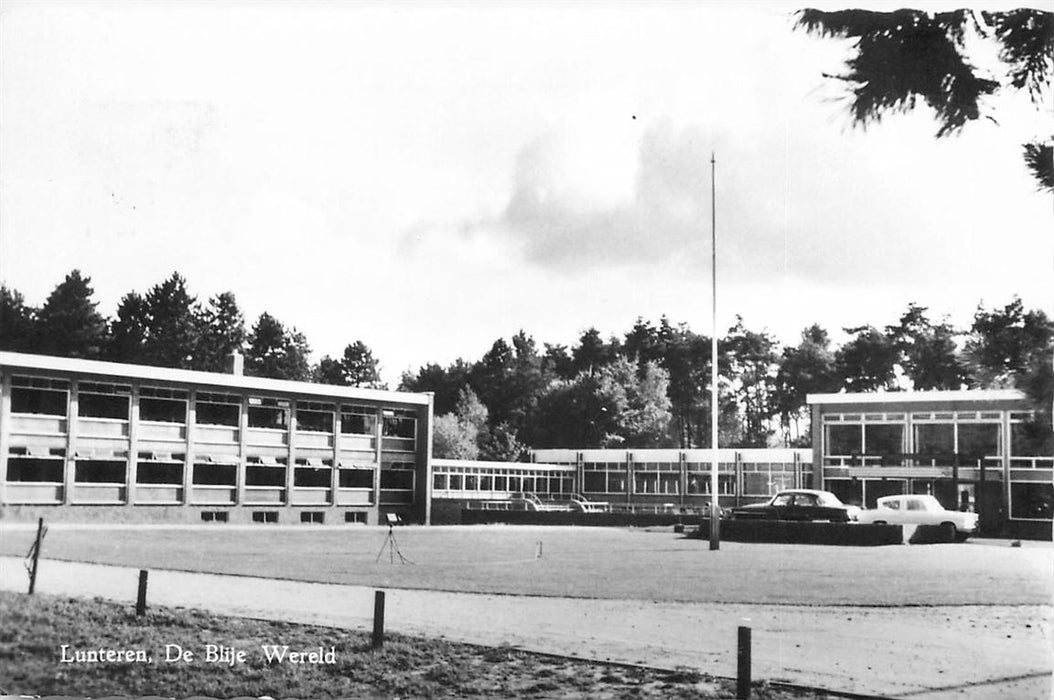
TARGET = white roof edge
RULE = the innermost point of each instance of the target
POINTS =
(28, 361)
(436, 462)
(916, 396)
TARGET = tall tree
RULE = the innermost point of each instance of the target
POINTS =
(592, 352)
(753, 359)
(222, 333)
(276, 352)
(173, 332)
(16, 321)
(866, 362)
(360, 367)
(808, 368)
(1003, 342)
(129, 330)
(927, 352)
(445, 383)
(68, 324)
(906, 56)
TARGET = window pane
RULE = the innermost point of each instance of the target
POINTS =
(207, 413)
(215, 474)
(34, 470)
(934, 439)
(41, 401)
(102, 406)
(162, 410)
(91, 471)
(314, 421)
(159, 473)
(356, 423)
(256, 475)
(1032, 501)
(843, 440)
(883, 439)
(356, 478)
(979, 440)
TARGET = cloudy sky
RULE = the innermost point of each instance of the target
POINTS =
(429, 177)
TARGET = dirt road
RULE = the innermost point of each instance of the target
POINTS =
(906, 652)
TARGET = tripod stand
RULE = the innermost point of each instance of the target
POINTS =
(393, 548)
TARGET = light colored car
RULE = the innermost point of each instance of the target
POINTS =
(919, 510)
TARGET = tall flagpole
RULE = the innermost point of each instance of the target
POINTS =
(715, 511)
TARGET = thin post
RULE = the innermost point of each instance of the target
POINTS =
(715, 511)
(36, 555)
(378, 620)
(140, 602)
(743, 670)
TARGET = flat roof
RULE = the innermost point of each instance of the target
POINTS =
(876, 397)
(117, 370)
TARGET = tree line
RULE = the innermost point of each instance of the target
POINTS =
(169, 327)
(646, 387)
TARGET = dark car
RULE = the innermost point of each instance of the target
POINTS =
(799, 504)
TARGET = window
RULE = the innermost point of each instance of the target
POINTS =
(883, 439)
(312, 477)
(27, 469)
(214, 516)
(402, 424)
(979, 440)
(355, 517)
(100, 471)
(397, 479)
(272, 414)
(103, 400)
(1031, 439)
(170, 473)
(312, 516)
(915, 504)
(264, 474)
(41, 396)
(217, 409)
(1032, 501)
(215, 474)
(439, 482)
(314, 417)
(893, 505)
(844, 440)
(934, 440)
(265, 516)
(162, 405)
(806, 500)
(356, 478)
(358, 420)
(784, 499)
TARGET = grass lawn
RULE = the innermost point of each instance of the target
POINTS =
(578, 562)
(35, 628)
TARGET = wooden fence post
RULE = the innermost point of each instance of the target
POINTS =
(743, 675)
(36, 556)
(140, 603)
(378, 619)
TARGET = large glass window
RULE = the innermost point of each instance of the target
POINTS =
(170, 473)
(402, 424)
(162, 405)
(844, 440)
(41, 396)
(100, 471)
(1029, 438)
(1032, 501)
(356, 478)
(217, 409)
(95, 400)
(312, 476)
(883, 439)
(314, 417)
(268, 413)
(27, 469)
(934, 440)
(358, 420)
(215, 474)
(979, 440)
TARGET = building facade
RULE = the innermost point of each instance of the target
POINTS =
(84, 440)
(970, 449)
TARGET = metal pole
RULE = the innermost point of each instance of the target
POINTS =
(715, 511)
(36, 556)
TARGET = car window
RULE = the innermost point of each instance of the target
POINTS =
(892, 505)
(915, 504)
(805, 499)
(782, 499)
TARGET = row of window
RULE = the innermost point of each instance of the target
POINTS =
(933, 441)
(50, 471)
(43, 397)
(271, 516)
(504, 483)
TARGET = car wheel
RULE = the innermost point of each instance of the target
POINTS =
(879, 522)
(948, 531)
